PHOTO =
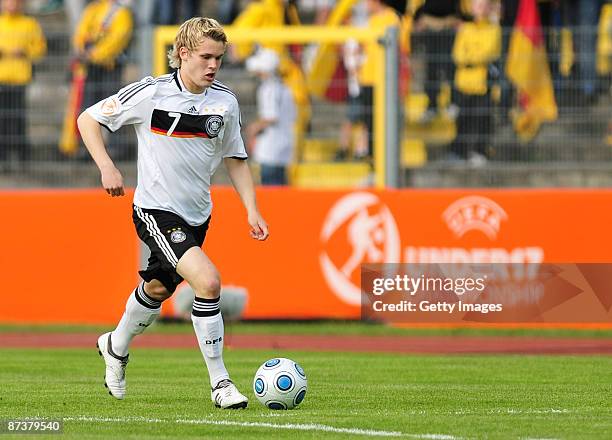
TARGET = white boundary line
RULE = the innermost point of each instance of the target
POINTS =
(286, 426)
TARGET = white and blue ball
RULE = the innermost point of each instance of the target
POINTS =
(280, 383)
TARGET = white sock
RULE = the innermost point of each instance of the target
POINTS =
(208, 326)
(140, 311)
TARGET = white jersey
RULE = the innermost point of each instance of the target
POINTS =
(182, 139)
(274, 145)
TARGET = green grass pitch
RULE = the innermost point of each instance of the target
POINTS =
(350, 395)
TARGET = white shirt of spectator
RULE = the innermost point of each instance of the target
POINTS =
(313, 5)
(275, 144)
(353, 59)
(182, 139)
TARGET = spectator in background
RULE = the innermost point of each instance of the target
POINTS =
(271, 137)
(176, 11)
(586, 13)
(380, 16)
(102, 36)
(21, 43)
(227, 11)
(352, 131)
(435, 24)
(317, 10)
(261, 14)
(356, 129)
(477, 47)
(604, 42)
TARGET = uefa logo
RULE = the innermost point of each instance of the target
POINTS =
(474, 213)
(361, 230)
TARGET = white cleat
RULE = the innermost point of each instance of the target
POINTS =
(114, 378)
(225, 395)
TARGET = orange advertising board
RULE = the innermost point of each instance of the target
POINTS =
(309, 268)
(68, 256)
(73, 256)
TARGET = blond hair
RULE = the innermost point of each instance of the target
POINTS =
(192, 33)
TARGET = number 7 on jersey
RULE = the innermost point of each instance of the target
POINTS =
(177, 117)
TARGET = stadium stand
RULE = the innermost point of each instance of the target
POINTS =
(574, 150)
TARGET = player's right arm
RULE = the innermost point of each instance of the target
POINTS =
(91, 133)
(127, 107)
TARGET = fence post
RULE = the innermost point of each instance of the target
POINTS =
(146, 50)
(392, 113)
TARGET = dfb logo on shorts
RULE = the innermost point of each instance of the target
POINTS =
(178, 236)
(213, 341)
(213, 125)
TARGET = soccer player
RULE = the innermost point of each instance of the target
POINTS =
(186, 123)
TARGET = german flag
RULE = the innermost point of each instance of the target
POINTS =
(527, 67)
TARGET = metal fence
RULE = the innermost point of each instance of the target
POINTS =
(448, 139)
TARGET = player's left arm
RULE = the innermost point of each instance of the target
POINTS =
(241, 177)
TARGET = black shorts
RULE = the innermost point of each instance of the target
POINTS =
(168, 237)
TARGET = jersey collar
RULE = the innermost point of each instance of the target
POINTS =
(177, 80)
(181, 86)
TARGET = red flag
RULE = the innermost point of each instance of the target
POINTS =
(69, 141)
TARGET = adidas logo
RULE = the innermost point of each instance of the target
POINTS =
(192, 110)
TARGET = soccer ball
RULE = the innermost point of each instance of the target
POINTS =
(280, 383)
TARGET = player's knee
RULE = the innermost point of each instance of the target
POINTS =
(157, 291)
(207, 286)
